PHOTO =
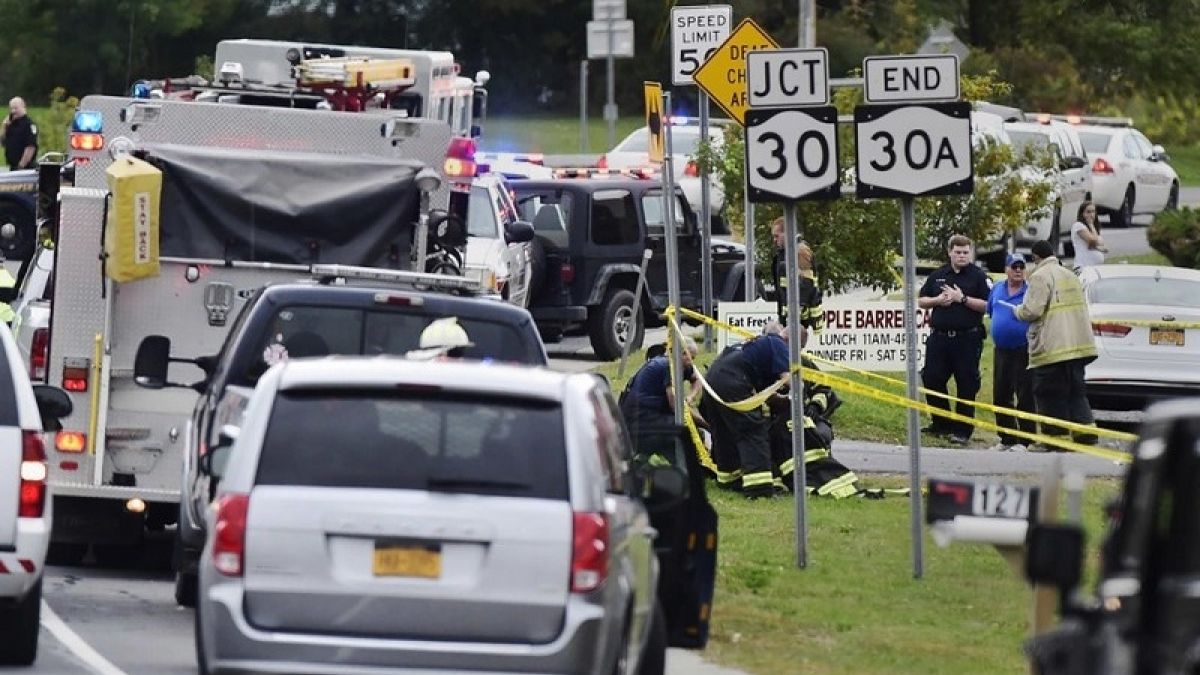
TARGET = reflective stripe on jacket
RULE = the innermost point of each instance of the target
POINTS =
(1059, 326)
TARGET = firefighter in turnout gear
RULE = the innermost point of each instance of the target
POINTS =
(825, 476)
(812, 314)
(741, 439)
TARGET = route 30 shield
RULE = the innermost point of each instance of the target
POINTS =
(792, 154)
(913, 150)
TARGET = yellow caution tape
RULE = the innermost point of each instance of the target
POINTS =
(843, 384)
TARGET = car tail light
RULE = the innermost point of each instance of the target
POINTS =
(38, 352)
(589, 555)
(75, 377)
(70, 441)
(566, 273)
(1101, 165)
(692, 169)
(602, 163)
(460, 158)
(1111, 329)
(33, 475)
(229, 535)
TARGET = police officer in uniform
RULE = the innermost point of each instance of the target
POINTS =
(957, 295)
(19, 135)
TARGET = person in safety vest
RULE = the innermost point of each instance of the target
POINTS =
(825, 476)
(741, 439)
(812, 313)
(649, 397)
(442, 338)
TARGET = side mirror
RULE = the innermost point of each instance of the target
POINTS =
(1159, 154)
(519, 232)
(213, 462)
(1054, 555)
(150, 364)
(53, 405)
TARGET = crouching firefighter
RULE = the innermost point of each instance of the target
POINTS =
(824, 475)
(741, 445)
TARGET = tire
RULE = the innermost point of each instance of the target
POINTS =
(1173, 198)
(610, 324)
(187, 588)
(537, 268)
(654, 655)
(21, 246)
(1123, 216)
(994, 261)
(70, 555)
(19, 624)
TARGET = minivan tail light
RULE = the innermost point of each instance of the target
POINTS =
(1111, 329)
(33, 476)
(39, 350)
(1101, 165)
(229, 535)
(589, 555)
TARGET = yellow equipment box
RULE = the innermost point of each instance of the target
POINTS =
(131, 233)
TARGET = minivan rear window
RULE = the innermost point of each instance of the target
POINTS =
(416, 440)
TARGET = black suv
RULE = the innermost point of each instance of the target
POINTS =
(306, 319)
(590, 235)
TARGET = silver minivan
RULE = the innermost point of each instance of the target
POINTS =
(382, 515)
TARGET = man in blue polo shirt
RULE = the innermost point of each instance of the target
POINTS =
(1011, 377)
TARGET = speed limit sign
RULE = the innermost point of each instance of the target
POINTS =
(792, 153)
(696, 32)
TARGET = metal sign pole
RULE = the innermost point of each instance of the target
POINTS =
(799, 478)
(672, 261)
(748, 239)
(610, 112)
(706, 279)
(583, 112)
(909, 246)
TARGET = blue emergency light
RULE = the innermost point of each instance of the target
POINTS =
(88, 121)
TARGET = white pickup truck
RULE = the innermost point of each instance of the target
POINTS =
(24, 501)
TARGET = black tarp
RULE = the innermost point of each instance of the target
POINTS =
(285, 207)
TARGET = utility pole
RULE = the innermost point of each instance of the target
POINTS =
(806, 32)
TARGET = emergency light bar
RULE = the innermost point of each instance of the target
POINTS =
(331, 273)
(1096, 120)
(590, 172)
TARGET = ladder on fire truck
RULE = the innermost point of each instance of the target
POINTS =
(349, 82)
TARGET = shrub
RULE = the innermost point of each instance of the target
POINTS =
(1176, 235)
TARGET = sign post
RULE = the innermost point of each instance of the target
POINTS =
(791, 154)
(696, 32)
(672, 246)
(910, 150)
(610, 35)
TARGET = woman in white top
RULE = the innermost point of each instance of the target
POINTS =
(1085, 237)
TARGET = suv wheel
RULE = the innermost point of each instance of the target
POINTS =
(1123, 216)
(613, 323)
(19, 626)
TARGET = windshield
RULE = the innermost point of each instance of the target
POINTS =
(417, 441)
(1028, 139)
(300, 331)
(1146, 290)
(1094, 141)
(481, 217)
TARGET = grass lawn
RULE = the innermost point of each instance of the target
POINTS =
(856, 609)
(550, 134)
(1186, 162)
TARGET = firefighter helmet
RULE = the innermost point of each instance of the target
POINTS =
(442, 337)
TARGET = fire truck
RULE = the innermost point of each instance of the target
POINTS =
(418, 83)
(244, 195)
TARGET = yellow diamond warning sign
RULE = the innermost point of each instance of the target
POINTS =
(652, 91)
(723, 75)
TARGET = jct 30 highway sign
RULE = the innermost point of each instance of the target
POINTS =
(913, 150)
(792, 153)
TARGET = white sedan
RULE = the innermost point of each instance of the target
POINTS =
(1145, 320)
(1129, 175)
(25, 503)
(633, 153)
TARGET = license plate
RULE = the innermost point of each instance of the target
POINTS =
(1002, 501)
(407, 560)
(1166, 336)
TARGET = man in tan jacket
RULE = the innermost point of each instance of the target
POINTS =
(1060, 342)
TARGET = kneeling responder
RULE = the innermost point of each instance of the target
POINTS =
(649, 398)
(825, 476)
(741, 440)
